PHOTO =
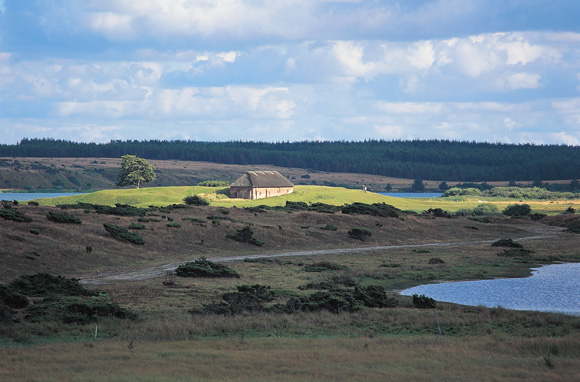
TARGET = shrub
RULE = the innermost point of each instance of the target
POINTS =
(437, 212)
(324, 266)
(570, 210)
(485, 209)
(506, 243)
(35, 231)
(335, 301)
(424, 302)
(119, 209)
(195, 200)
(515, 252)
(436, 260)
(43, 284)
(33, 203)
(359, 233)
(329, 227)
(517, 210)
(245, 235)
(174, 225)
(63, 218)
(376, 209)
(137, 226)
(194, 220)
(123, 234)
(12, 298)
(374, 296)
(205, 268)
(72, 309)
(214, 183)
(15, 215)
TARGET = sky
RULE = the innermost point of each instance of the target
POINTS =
(290, 70)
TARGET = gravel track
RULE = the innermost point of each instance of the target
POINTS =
(163, 270)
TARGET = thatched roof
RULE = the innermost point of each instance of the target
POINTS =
(262, 179)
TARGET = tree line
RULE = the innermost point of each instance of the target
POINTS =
(426, 159)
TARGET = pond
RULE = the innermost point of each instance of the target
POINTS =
(23, 196)
(552, 288)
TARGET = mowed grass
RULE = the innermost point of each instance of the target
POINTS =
(218, 196)
(423, 358)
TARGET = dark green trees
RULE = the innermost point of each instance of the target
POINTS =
(134, 171)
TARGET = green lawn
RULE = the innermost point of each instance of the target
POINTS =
(161, 196)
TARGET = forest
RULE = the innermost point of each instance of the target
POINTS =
(426, 159)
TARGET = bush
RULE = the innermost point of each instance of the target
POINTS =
(335, 301)
(329, 227)
(195, 200)
(12, 298)
(515, 252)
(436, 260)
(374, 296)
(517, 210)
(205, 268)
(123, 234)
(43, 284)
(360, 233)
(245, 235)
(376, 209)
(485, 209)
(137, 226)
(62, 218)
(214, 183)
(437, 212)
(119, 209)
(506, 243)
(35, 231)
(424, 302)
(15, 215)
(174, 225)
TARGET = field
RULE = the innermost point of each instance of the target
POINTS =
(171, 340)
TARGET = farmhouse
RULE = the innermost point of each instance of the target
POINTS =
(260, 185)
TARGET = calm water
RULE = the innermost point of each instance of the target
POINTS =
(552, 288)
(412, 194)
(32, 195)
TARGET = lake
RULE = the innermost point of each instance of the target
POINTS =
(552, 288)
(412, 194)
(23, 196)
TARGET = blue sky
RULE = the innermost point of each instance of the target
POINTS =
(290, 70)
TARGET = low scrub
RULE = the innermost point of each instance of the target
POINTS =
(517, 210)
(195, 200)
(123, 234)
(119, 209)
(137, 226)
(63, 218)
(15, 215)
(329, 227)
(360, 233)
(424, 302)
(376, 209)
(437, 212)
(515, 252)
(506, 243)
(202, 267)
(245, 235)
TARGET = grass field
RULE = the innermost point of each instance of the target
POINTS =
(162, 196)
(169, 343)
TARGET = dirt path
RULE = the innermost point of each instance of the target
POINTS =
(162, 270)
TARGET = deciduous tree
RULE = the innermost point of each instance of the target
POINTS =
(134, 171)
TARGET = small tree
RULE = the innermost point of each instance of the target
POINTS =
(134, 171)
(418, 185)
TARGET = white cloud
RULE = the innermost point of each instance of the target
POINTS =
(411, 107)
(520, 81)
(421, 55)
(568, 139)
(389, 131)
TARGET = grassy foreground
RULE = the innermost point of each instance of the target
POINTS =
(169, 343)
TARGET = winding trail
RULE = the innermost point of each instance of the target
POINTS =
(162, 270)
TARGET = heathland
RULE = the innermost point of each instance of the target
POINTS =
(309, 290)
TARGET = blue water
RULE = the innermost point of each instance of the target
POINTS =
(412, 194)
(552, 288)
(32, 195)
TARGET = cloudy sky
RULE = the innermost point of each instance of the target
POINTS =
(290, 70)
